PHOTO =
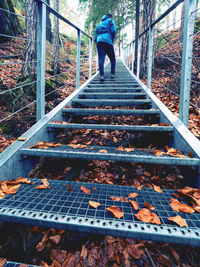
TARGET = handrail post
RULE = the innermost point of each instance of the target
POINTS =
(90, 63)
(78, 59)
(132, 63)
(186, 67)
(138, 57)
(129, 55)
(97, 62)
(150, 57)
(41, 47)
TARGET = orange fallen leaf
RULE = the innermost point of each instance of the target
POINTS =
(7, 189)
(44, 185)
(157, 188)
(140, 187)
(116, 211)
(178, 220)
(119, 198)
(94, 204)
(70, 188)
(177, 206)
(133, 195)
(164, 124)
(85, 190)
(149, 206)
(190, 154)
(157, 152)
(147, 216)
(43, 144)
(134, 204)
(103, 151)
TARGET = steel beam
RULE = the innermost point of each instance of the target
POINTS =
(90, 62)
(150, 57)
(41, 48)
(78, 59)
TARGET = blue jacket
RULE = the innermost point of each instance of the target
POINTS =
(105, 31)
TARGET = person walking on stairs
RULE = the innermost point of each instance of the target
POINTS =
(104, 38)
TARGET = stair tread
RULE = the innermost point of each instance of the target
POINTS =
(116, 112)
(112, 127)
(92, 152)
(58, 208)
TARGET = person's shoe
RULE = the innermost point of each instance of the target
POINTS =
(102, 78)
(112, 76)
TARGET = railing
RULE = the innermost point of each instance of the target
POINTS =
(157, 53)
(45, 81)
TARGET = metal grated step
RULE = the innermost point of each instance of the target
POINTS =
(58, 208)
(111, 95)
(111, 90)
(110, 102)
(113, 112)
(93, 153)
(17, 264)
(136, 128)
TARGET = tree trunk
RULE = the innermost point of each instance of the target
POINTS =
(174, 16)
(148, 18)
(55, 63)
(30, 56)
(9, 24)
(182, 22)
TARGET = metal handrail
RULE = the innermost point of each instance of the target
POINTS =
(185, 81)
(57, 14)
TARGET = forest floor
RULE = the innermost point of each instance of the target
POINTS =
(56, 248)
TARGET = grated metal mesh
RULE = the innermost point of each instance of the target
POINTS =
(16, 264)
(58, 208)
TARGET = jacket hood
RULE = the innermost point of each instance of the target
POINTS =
(104, 17)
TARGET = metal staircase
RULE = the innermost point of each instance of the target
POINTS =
(56, 207)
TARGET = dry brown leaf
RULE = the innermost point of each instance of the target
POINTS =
(2, 261)
(116, 211)
(149, 206)
(42, 244)
(55, 239)
(157, 188)
(176, 256)
(70, 261)
(9, 189)
(190, 154)
(70, 188)
(134, 204)
(147, 216)
(136, 251)
(83, 252)
(179, 220)
(94, 204)
(123, 199)
(85, 190)
(158, 152)
(163, 259)
(43, 144)
(140, 187)
(44, 185)
(103, 151)
(133, 195)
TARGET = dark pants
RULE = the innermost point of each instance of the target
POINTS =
(103, 50)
